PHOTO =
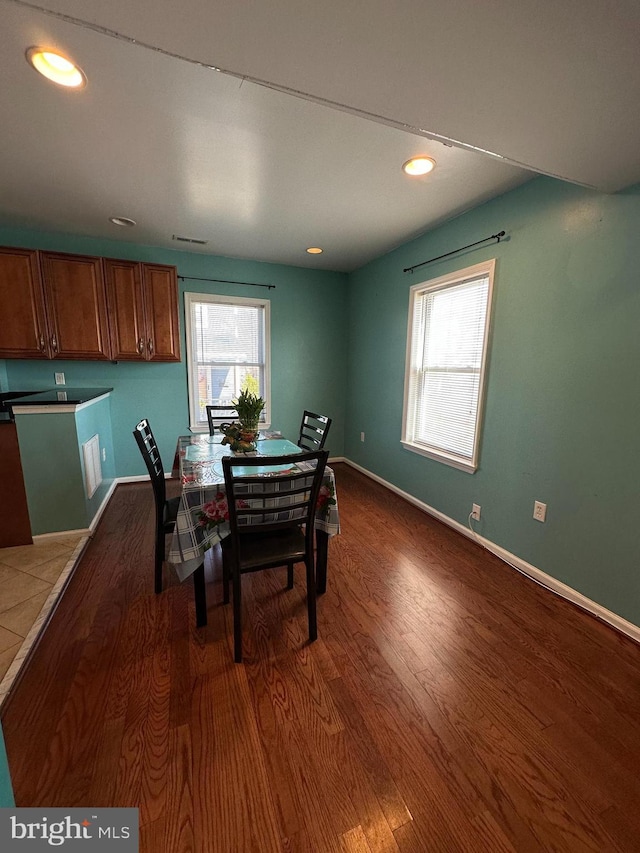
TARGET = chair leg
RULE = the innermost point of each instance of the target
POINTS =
(289, 575)
(225, 576)
(237, 616)
(200, 595)
(311, 600)
(159, 560)
(322, 542)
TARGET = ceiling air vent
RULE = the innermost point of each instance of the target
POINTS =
(189, 240)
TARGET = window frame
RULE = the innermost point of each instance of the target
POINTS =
(444, 282)
(218, 299)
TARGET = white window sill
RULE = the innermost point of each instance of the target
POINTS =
(470, 467)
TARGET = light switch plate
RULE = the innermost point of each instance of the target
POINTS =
(59, 378)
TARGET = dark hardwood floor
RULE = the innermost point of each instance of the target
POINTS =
(449, 704)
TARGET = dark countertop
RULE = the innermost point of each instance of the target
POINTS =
(11, 395)
(6, 416)
(60, 395)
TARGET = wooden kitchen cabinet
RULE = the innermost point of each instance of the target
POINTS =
(143, 311)
(23, 327)
(62, 306)
(15, 526)
(76, 301)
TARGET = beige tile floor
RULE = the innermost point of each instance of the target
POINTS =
(28, 573)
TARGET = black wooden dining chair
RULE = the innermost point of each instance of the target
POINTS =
(166, 510)
(313, 431)
(271, 519)
(217, 415)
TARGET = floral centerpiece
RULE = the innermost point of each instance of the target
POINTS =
(249, 405)
(242, 436)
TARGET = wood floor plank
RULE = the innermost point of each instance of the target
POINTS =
(71, 751)
(354, 841)
(369, 759)
(233, 805)
(407, 841)
(179, 831)
(270, 702)
(154, 771)
(522, 774)
(502, 702)
(448, 705)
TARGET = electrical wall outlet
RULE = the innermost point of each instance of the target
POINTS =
(475, 511)
(361, 436)
(539, 511)
(104, 454)
(59, 378)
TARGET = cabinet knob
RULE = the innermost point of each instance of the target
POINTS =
(141, 346)
(150, 345)
(54, 343)
(41, 343)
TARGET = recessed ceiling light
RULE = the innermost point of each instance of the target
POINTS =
(123, 221)
(419, 166)
(315, 250)
(56, 68)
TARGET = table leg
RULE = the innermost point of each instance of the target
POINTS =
(322, 542)
(200, 595)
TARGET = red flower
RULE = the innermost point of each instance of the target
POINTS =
(214, 512)
(323, 496)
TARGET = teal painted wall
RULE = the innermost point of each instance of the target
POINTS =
(52, 472)
(96, 420)
(563, 403)
(6, 792)
(53, 465)
(4, 382)
(308, 347)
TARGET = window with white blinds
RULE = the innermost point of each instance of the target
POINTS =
(447, 342)
(227, 338)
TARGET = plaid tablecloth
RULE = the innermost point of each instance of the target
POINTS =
(200, 523)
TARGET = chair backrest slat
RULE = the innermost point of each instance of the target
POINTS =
(151, 455)
(278, 500)
(313, 431)
(217, 415)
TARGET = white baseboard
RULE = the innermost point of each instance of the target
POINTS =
(535, 574)
(42, 537)
(84, 531)
(103, 505)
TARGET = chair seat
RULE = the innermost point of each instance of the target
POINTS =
(260, 550)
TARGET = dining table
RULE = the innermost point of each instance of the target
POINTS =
(202, 519)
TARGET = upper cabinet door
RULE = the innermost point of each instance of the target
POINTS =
(55, 305)
(161, 302)
(125, 302)
(23, 330)
(76, 306)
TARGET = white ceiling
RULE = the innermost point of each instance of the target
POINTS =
(301, 141)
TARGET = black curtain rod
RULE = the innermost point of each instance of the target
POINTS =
(455, 251)
(225, 281)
